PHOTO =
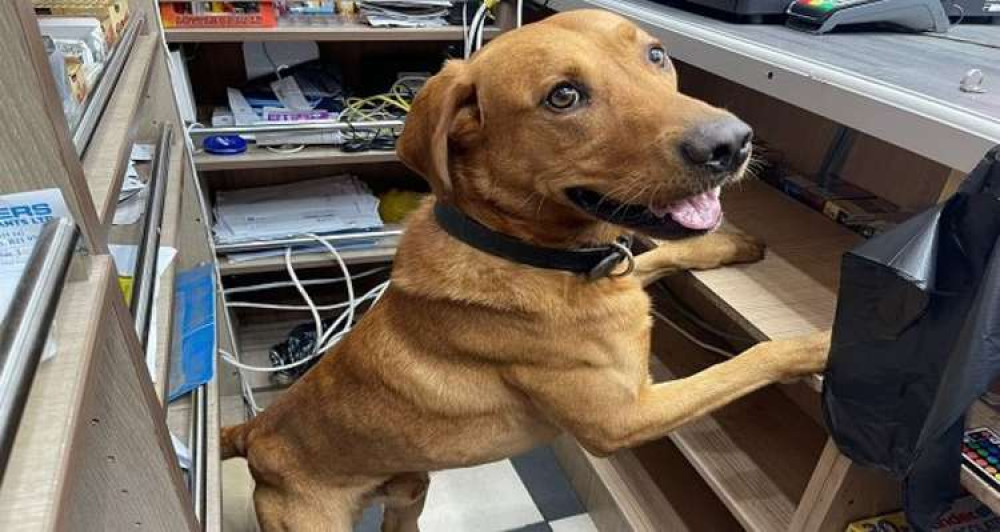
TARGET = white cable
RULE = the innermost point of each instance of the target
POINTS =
(374, 294)
(465, 26)
(476, 29)
(302, 291)
(348, 282)
(691, 337)
(275, 306)
(308, 282)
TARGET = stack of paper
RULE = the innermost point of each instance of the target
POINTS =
(321, 206)
(406, 13)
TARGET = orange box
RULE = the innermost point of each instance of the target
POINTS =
(186, 14)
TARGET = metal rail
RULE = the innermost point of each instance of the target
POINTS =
(106, 86)
(198, 446)
(26, 325)
(310, 127)
(258, 245)
(144, 277)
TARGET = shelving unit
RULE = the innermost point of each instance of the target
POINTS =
(256, 158)
(107, 155)
(344, 32)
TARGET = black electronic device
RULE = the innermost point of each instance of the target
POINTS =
(821, 16)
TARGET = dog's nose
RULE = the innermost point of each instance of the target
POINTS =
(720, 145)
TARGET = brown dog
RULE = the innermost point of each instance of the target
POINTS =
(566, 133)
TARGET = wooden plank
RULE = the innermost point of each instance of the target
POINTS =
(170, 236)
(756, 454)
(840, 492)
(35, 147)
(106, 159)
(618, 493)
(380, 253)
(310, 156)
(127, 460)
(344, 32)
(793, 290)
(34, 482)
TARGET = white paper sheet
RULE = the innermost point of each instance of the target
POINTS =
(142, 152)
(125, 257)
(321, 206)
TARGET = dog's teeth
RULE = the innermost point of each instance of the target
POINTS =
(659, 210)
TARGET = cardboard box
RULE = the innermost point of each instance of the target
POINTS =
(113, 14)
(966, 515)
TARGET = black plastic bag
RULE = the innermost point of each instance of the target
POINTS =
(916, 340)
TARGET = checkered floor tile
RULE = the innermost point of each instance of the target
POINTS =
(528, 493)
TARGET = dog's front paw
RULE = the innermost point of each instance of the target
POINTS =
(738, 248)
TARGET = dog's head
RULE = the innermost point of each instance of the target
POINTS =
(569, 130)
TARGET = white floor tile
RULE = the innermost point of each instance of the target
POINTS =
(577, 523)
(486, 498)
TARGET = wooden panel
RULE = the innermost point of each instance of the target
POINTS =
(312, 156)
(684, 487)
(337, 32)
(793, 290)
(92, 452)
(34, 483)
(757, 454)
(618, 493)
(35, 147)
(381, 253)
(890, 172)
(126, 461)
(841, 491)
(107, 156)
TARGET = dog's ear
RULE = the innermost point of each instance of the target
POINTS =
(423, 146)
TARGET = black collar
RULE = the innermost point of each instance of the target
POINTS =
(595, 263)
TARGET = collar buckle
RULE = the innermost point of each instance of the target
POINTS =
(622, 251)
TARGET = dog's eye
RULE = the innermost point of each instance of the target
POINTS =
(658, 56)
(564, 97)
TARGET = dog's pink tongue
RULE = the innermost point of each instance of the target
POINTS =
(698, 212)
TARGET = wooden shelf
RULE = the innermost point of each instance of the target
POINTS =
(107, 155)
(384, 252)
(331, 33)
(793, 290)
(756, 454)
(179, 423)
(620, 493)
(255, 158)
(169, 236)
(982, 415)
(34, 479)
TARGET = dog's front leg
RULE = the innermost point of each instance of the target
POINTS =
(698, 253)
(605, 413)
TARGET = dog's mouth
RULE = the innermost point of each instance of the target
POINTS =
(690, 216)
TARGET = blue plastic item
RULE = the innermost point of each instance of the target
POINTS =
(225, 144)
(192, 355)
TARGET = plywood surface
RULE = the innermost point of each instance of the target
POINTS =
(793, 290)
(34, 478)
(332, 32)
(311, 156)
(381, 253)
(617, 491)
(757, 454)
(106, 158)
